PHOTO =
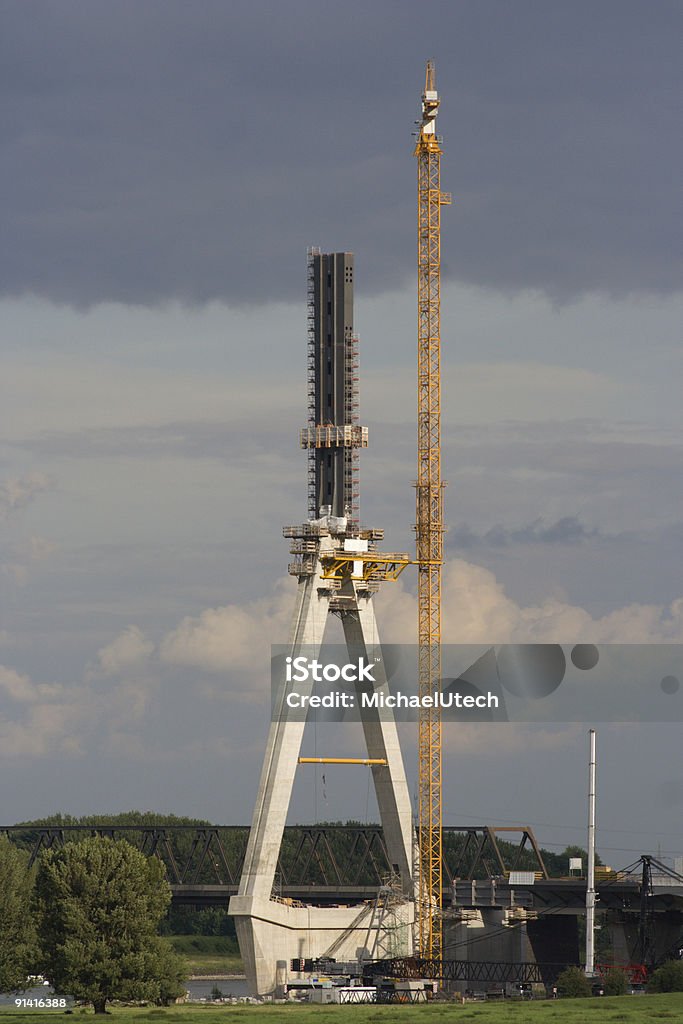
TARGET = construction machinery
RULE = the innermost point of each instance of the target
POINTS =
(429, 521)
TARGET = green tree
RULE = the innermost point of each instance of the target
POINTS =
(98, 905)
(17, 934)
(573, 983)
(170, 970)
(577, 851)
(667, 978)
(616, 983)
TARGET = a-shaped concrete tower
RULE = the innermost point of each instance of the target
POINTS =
(338, 572)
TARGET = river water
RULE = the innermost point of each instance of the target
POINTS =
(200, 988)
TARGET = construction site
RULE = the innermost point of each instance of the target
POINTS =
(423, 924)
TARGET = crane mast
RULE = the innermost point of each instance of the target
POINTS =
(429, 520)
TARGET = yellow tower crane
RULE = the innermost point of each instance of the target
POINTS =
(429, 519)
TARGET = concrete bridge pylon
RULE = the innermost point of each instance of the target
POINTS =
(338, 569)
(271, 931)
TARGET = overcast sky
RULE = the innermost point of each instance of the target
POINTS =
(164, 167)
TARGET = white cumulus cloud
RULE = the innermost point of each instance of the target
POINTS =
(17, 492)
(233, 637)
(129, 649)
(477, 610)
(16, 686)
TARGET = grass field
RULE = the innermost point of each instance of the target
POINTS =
(625, 1009)
(208, 954)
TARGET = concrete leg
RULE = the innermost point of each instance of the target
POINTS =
(282, 752)
(381, 740)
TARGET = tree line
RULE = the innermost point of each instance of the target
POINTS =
(86, 917)
(233, 842)
(89, 915)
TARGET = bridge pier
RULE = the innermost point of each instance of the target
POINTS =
(271, 934)
(485, 935)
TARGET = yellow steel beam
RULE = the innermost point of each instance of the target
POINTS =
(374, 566)
(389, 567)
(342, 760)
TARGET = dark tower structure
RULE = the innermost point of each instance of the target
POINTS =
(333, 435)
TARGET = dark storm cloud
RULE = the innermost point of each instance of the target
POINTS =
(169, 150)
(671, 792)
(567, 530)
(175, 440)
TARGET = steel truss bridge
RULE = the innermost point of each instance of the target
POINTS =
(474, 971)
(471, 971)
(319, 863)
(331, 864)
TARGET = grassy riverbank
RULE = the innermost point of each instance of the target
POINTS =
(625, 1010)
(208, 954)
